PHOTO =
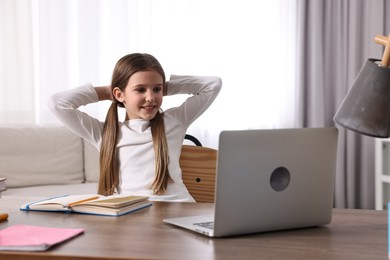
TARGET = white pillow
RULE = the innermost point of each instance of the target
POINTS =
(40, 156)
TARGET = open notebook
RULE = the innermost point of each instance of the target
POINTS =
(114, 205)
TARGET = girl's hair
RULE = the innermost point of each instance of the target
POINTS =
(109, 181)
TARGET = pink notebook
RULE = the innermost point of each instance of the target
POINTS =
(34, 238)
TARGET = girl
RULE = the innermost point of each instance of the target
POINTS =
(141, 155)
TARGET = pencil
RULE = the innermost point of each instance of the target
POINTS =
(81, 201)
(3, 216)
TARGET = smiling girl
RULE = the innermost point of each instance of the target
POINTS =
(140, 155)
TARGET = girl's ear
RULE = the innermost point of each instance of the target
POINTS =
(118, 94)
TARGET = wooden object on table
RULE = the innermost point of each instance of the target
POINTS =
(3, 217)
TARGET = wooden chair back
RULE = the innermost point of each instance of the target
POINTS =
(198, 166)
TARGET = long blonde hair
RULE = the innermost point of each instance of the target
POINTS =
(109, 181)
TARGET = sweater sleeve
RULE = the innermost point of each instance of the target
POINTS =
(64, 105)
(203, 91)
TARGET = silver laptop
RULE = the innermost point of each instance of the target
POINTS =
(270, 180)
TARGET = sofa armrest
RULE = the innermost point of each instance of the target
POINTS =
(40, 156)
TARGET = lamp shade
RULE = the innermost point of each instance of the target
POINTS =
(366, 107)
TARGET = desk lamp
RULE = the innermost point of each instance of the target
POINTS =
(366, 107)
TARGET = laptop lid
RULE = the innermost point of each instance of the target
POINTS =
(270, 180)
(274, 179)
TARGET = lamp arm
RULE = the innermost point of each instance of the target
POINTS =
(383, 40)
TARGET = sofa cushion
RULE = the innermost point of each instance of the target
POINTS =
(45, 191)
(40, 156)
(91, 157)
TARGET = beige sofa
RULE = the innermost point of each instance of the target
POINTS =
(46, 161)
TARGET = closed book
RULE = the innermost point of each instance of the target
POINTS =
(2, 185)
(34, 238)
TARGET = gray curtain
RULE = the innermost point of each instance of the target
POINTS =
(335, 38)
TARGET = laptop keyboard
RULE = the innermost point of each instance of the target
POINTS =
(209, 225)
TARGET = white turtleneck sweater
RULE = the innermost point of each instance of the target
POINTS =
(135, 145)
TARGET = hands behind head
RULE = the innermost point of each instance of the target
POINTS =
(104, 92)
(165, 89)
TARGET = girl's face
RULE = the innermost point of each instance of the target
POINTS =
(142, 96)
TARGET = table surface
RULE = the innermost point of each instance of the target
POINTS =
(352, 234)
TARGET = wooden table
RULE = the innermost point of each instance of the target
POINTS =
(353, 234)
